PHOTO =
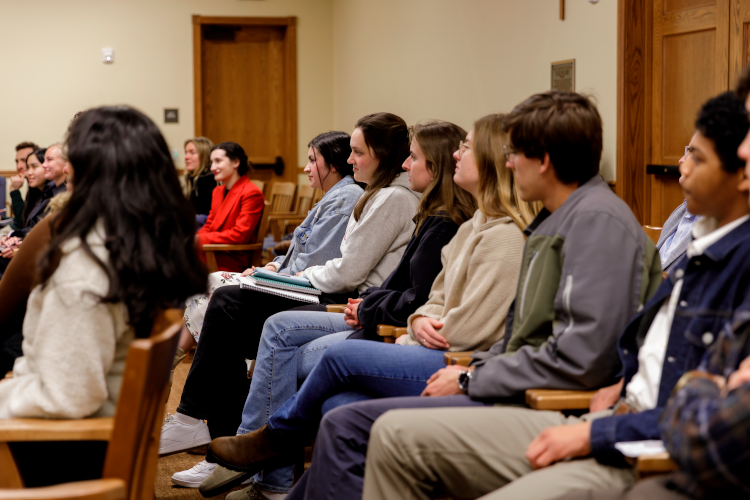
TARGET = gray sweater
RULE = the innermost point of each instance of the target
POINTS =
(372, 247)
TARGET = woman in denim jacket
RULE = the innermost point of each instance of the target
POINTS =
(317, 240)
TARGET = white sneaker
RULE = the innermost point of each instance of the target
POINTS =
(193, 478)
(176, 436)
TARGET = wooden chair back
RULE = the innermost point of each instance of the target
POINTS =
(133, 451)
(135, 430)
(304, 199)
(653, 233)
(261, 185)
(282, 196)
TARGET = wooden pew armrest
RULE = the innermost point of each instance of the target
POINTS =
(391, 331)
(462, 358)
(651, 465)
(42, 429)
(558, 400)
(336, 308)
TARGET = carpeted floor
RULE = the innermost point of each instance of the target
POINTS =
(180, 461)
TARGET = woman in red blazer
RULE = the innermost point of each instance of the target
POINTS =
(236, 207)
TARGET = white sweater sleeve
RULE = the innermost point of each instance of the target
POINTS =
(73, 350)
(367, 242)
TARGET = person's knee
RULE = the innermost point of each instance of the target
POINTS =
(385, 432)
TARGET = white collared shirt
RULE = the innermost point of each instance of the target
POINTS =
(642, 391)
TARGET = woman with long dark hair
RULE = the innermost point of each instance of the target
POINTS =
(120, 250)
(377, 233)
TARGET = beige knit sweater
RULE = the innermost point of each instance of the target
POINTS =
(74, 346)
(473, 292)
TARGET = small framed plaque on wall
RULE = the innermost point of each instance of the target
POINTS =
(563, 75)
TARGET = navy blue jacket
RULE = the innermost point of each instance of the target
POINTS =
(408, 286)
(714, 285)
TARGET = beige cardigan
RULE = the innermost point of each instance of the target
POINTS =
(473, 292)
(74, 347)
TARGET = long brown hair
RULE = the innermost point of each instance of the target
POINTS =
(438, 140)
(387, 137)
(498, 194)
(126, 184)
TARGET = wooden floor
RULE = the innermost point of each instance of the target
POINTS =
(180, 461)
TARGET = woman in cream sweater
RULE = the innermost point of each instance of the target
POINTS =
(466, 310)
(107, 270)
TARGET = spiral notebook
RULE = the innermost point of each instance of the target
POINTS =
(249, 283)
(310, 290)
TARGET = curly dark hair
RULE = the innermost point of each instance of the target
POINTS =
(723, 120)
(126, 181)
(235, 153)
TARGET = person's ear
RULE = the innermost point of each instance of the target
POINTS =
(546, 165)
(743, 184)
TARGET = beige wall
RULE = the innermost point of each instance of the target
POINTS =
(51, 63)
(458, 60)
(450, 59)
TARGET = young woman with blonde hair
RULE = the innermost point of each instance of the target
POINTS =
(466, 310)
(199, 180)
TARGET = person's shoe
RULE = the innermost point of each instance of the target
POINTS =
(249, 493)
(221, 480)
(251, 452)
(192, 478)
(178, 357)
(177, 436)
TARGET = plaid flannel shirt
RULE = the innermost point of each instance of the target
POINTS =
(707, 433)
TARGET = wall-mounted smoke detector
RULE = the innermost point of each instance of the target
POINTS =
(108, 55)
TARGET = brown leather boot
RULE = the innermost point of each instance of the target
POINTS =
(251, 452)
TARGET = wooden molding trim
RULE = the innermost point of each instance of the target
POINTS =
(632, 74)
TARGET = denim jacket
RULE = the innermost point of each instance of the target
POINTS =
(318, 239)
(714, 285)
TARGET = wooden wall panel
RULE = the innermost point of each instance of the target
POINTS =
(632, 90)
(678, 5)
(682, 97)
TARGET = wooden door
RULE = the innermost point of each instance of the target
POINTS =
(739, 38)
(689, 64)
(246, 89)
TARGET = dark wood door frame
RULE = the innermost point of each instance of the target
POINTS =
(290, 72)
(633, 98)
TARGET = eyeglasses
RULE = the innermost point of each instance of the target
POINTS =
(462, 146)
(509, 152)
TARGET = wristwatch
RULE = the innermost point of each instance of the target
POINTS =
(463, 380)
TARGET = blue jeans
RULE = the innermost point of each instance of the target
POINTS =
(290, 346)
(355, 370)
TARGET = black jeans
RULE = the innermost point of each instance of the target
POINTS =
(217, 385)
